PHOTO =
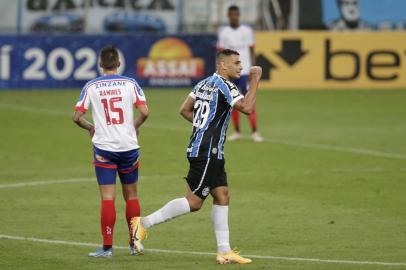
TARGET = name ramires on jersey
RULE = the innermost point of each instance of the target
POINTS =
(109, 92)
(110, 84)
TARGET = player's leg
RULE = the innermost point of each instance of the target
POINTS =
(221, 199)
(169, 211)
(197, 191)
(177, 207)
(252, 118)
(235, 117)
(173, 209)
(220, 218)
(106, 171)
(107, 214)
(132, 210)
(128, 173)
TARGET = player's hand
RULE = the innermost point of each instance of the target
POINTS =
(256, 72)
(91, 132)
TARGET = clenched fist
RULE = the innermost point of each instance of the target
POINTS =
(255, 72)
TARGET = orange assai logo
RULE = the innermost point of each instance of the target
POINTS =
(170, 60)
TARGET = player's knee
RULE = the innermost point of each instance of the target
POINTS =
(222, 198)
(108, 197)
(130, 197)
(226, 199)
(195, 205)
(194, 209)
(221, 201)
(108, 192)
(129, 191)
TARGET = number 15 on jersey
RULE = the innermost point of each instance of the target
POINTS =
(109, 105)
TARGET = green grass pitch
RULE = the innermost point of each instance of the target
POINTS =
(329, 183)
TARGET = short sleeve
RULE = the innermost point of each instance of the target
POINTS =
(192, 94)
(84, 101)
(251, 37)
(138, 95)
(231, 93)
(220, 39)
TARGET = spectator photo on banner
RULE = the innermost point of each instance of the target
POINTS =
(355, 15)
(349, 17)
(78, 16)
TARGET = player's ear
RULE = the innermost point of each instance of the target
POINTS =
(223, 65)
(118, 64)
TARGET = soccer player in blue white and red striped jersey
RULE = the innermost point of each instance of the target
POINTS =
(208, 107)
(115, 145)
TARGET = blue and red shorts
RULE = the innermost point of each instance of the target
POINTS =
(108, 163)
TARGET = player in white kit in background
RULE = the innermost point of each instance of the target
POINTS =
(114, 136)
(240, 37)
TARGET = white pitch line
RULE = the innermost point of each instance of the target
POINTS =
(73, 243)
(300, 172)
(339, 148)
(352, 150)
(34, 110)
(38, 183)
(66, 181)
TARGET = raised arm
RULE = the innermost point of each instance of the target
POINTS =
(79, 119)
(247, 104)
(186, 110)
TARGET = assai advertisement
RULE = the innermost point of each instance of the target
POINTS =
(65, 61)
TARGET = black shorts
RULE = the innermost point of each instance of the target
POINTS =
(205, 175)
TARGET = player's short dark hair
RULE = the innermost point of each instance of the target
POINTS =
(233, 8)
(109, 58)
(226, 52)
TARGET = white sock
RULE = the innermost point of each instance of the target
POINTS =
(169, 211)
(219, 217)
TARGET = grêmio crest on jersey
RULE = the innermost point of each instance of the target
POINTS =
(233, 88)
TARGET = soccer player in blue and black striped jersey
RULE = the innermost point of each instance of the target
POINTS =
(208, 108)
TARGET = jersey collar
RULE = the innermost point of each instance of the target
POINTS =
(218, 75)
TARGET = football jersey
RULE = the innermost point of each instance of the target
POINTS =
(214, 98)
(112, 98)
(240, 39)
